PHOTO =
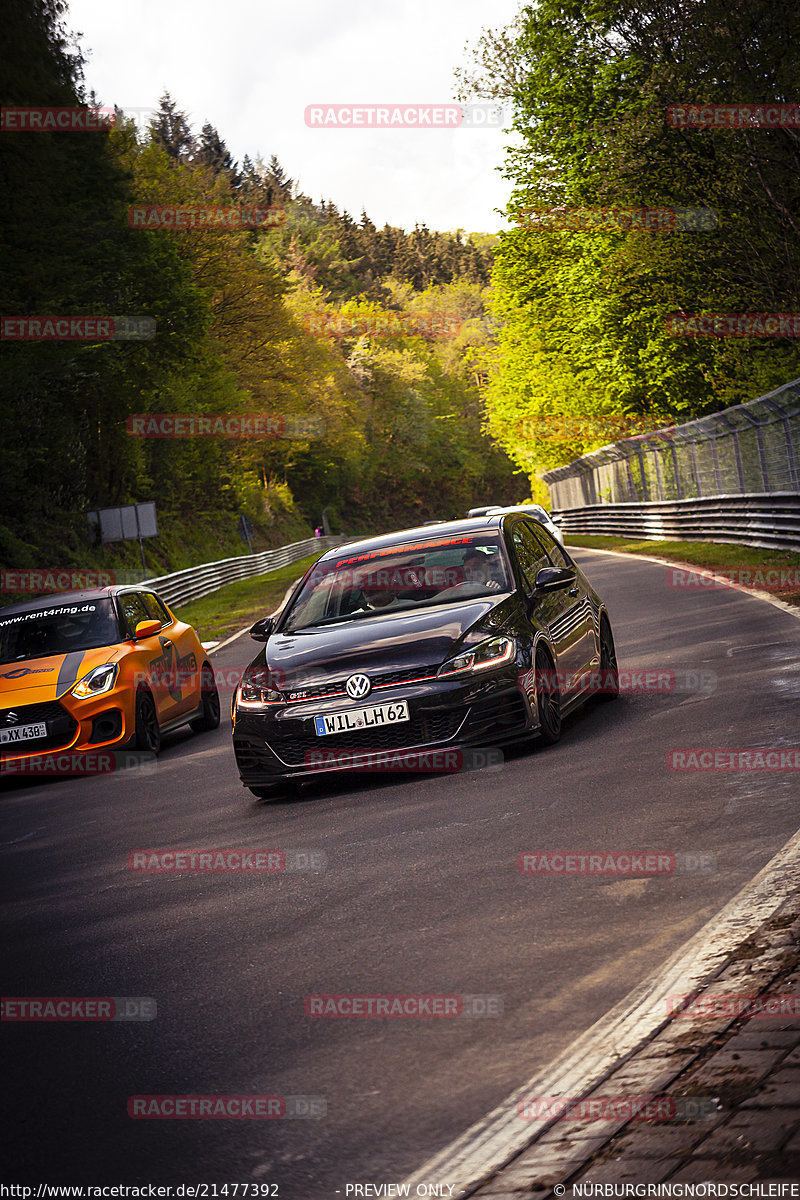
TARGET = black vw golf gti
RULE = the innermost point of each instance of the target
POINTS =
(417, 646)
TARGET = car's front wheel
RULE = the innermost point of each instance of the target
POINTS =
(548, 697)
(148, 731)
(209, 697)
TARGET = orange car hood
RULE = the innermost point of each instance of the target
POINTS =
(38, 679)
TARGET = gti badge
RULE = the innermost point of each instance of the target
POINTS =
(358, 686)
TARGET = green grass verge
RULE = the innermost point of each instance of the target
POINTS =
(239, 604)
(747, 564)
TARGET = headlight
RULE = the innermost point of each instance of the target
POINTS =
(488, 654)
(100, 680)
(256, 690)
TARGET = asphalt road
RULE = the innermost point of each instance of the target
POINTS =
(421, 893)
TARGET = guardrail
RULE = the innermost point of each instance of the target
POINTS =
(767, 519)
(194, 582)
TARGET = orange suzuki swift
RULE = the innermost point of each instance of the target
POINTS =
(106, 667)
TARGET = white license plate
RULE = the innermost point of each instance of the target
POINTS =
(23, 733)
(361, 718)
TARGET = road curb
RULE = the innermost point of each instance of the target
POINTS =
(492, 1143)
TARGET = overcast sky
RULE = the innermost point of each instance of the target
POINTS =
(251, 67)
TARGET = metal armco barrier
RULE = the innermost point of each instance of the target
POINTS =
(182, 586)
(768, 519)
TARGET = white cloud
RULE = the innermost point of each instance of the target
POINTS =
(252, 66)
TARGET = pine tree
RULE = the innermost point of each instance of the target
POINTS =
(170, 129)
(211, 152)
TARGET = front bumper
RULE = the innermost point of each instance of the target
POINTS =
(76, 726)
(446, 715)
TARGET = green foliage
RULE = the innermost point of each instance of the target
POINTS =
(584, 339)
(401, 418)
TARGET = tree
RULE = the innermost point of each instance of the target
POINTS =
(170, 130)
(585, 332)
(212, 153)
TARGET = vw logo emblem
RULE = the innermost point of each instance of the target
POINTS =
(358, 686)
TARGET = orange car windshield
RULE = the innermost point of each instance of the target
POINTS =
(57, 629)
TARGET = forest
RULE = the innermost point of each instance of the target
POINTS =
(381, 376)
(349, 360)
(609, 141)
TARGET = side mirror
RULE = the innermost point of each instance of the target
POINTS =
(552, 579)
(145, 629)
(262, 629)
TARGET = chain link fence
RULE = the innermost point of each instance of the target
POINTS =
(750, 450)
(752, 447)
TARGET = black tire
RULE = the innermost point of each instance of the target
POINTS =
(609, 673)
(548, 697)
(210, 700)
(148, 731)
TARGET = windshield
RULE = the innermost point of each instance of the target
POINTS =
(403, 577)
(58, 630)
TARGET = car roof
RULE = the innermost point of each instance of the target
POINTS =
(421, 533)
(507, 508)
(56, 599)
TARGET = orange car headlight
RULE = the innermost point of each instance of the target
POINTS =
(100, 680)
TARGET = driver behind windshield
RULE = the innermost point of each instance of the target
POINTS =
(385, 597)
(478, 569)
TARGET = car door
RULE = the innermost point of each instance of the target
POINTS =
(580, 616)
(157, 659)
(184, 685)
(561, 613)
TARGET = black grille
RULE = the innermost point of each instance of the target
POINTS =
(293, 744)
(253, 760)
(61, 727)
(392, 677)
(386, 679)
(498, 717)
